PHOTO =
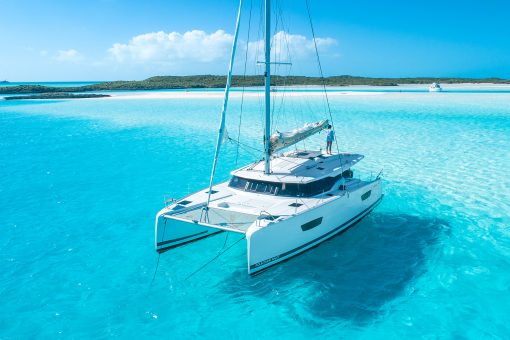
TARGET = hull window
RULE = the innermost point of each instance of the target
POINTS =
(312, 224)
(366, 195)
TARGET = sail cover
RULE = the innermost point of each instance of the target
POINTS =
(280, 140)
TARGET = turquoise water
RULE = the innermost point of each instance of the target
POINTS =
(81, 182)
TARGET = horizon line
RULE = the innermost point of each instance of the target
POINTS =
(249, 75)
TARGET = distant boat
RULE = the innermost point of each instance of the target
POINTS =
(435, 87)
(4, 82)
(284, 204)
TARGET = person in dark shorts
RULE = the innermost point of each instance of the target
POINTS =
(330, 137)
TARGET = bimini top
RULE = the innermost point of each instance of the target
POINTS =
(299, 167)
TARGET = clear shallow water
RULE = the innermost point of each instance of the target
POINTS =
(81, 181)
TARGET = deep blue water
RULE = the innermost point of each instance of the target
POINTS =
(81, 182)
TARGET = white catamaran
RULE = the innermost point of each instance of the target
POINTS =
(284, 204)
(435, 87)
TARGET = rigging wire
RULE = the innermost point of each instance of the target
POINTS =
(322, 74)
(244, 83)
(279, 76)
(276, 51)
(257, 66)
(247, 148)
(285, 28)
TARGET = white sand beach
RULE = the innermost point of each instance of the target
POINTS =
(300, 91)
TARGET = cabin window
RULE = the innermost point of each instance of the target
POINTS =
(284, 189)
(348, 173)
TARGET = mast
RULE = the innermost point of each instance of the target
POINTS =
(267, 83)
(221, 130)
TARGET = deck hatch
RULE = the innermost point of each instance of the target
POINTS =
(312, 224)
(366, 195)
(185, 202)
(212, 192)
(295, 205)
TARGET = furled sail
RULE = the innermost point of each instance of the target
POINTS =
(280, 140)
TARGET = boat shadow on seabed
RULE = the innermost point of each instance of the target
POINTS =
(353, 276)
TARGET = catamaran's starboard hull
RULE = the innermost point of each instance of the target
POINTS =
(280, 241)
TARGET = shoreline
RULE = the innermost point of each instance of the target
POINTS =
(309, 91)
(257, 91)
(216, 82)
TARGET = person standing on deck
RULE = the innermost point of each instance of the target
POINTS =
(330, 137)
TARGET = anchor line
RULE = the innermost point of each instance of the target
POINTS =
(221, 252)
(159, 256)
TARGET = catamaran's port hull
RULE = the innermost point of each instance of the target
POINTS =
(171, 233)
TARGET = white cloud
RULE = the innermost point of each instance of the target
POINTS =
(174, 47)
(292, 46)
(70, 55)
(200, 47)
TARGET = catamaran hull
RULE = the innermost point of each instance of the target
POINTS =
(280, 241)
(171, 232)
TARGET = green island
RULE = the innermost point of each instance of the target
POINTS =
(215, 81)
(58, 96)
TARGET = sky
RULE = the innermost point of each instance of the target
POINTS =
(54, 40)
